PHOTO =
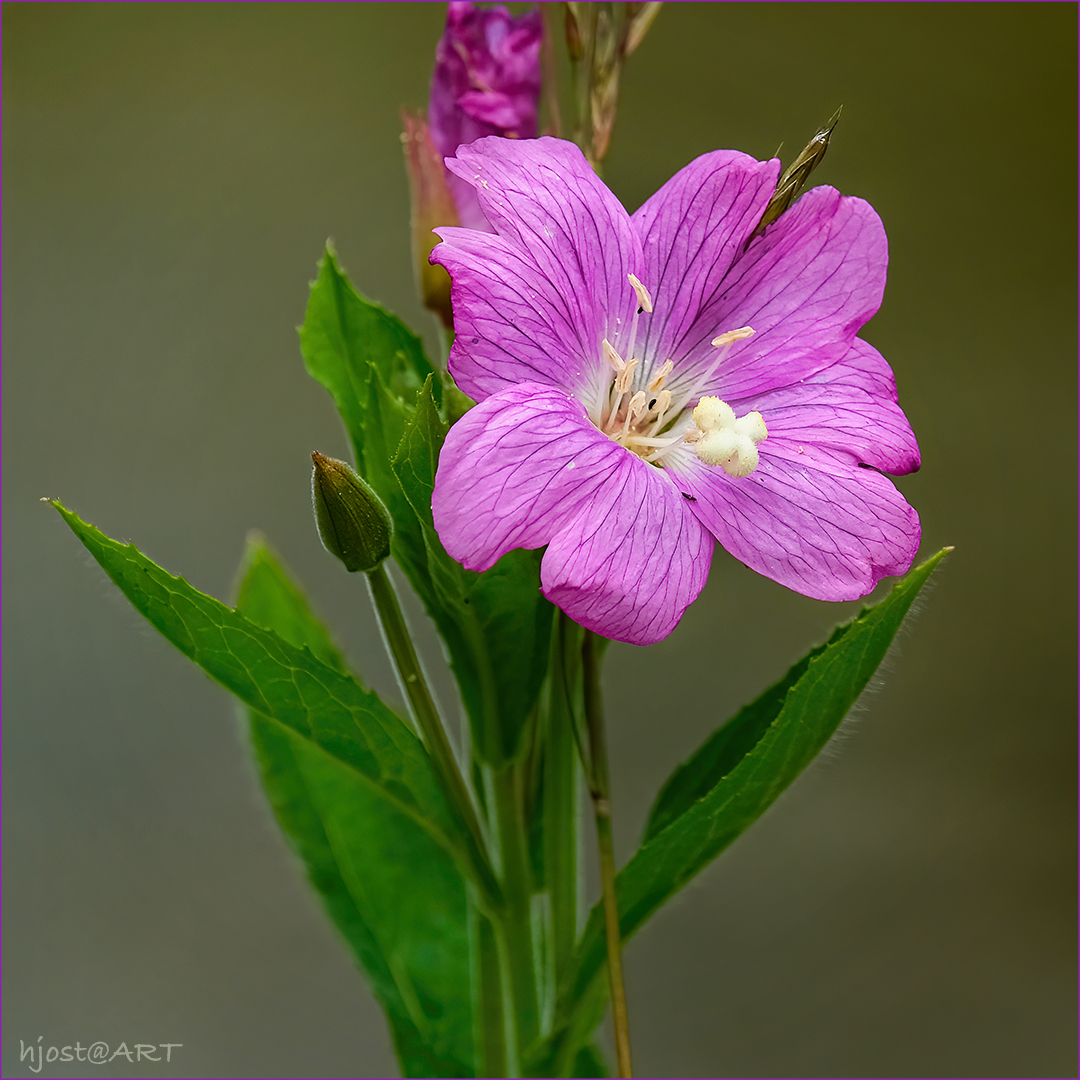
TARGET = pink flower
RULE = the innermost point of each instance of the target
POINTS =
(649, 384)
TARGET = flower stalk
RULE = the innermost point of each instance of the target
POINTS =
(600, 790)
(426, 714)
(517, 955)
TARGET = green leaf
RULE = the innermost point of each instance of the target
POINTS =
(496, 625)
(726, 747)
(733, 779)
(373, 366)
(345, 338)
(316, 700)
(590, 1063)
(394, 894)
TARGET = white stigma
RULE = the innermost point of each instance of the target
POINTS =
(719, 438)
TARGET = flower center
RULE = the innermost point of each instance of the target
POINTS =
(634, 418)
(649, 420)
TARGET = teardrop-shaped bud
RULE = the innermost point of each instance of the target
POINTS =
(353, 523)
(432, 205)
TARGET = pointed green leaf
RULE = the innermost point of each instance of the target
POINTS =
(394, 894)
(345, 339)
(497, 625)
(373, 366)
(725, 748)
(736, 775)
(289, 684)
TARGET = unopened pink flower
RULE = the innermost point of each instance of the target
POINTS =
(486, 82)
(651, 383)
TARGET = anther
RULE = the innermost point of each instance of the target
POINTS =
(661, 374)
(611, 356)
(661, 404)
(625, 377)
(733, 335)
(644, 299)
(633, 410)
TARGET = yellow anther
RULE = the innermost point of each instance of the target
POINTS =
(644, 299)
(661, 374)
(733, 335)
(611, 356)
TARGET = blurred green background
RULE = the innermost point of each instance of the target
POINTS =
(171, 174)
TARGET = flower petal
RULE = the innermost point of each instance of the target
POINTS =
(850, 406)
(692, 230)
(544, 200)
(511, 324)
(806, 286)
(515, 470)
(813, 521)
(486, 79)
(632, 562)
(526, 468)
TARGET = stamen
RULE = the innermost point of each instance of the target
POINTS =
(733, 335)
(647, 440)
(611, 356)
(661, 374)
(625, 377)
(636, 418)
(644, 304)
(723, 343)
(633, 411)
(644, 299)
(661, 404)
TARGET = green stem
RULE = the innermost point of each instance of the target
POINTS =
(560, 801)
(488, 1007)
(549, 81)
(431, 727)
(600, 789)
(515, 924)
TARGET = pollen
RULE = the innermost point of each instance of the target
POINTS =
(720, 438)
(637, 410)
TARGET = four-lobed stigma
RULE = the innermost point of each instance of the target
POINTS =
(649, 421)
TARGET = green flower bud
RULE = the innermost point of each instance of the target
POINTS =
(353, 523)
